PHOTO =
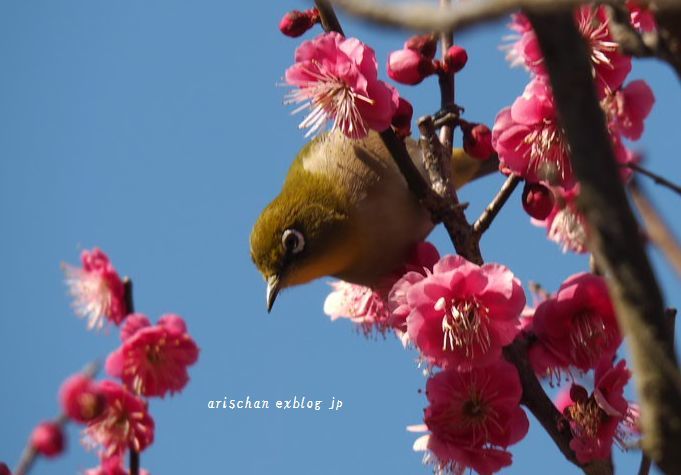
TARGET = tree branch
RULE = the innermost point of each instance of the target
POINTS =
(657, 230)
(635, 43)
(614, 237)
(426, 17)
(659, 180)
(487, 216)
(134, 458)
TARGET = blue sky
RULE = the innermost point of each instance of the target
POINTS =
(156, 131)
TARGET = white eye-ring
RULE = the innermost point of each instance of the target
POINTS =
(293, 241)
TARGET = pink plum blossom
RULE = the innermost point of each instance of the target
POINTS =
(337, 78)
(604, 417)
(529, 140)
(81, 399)
(462, 314)
(576, 327)
(472, 418)
(153, 360)
(565, 224)
(97, 289)
(125, 423)
(609, 66)
(641, 17)
(627, 108)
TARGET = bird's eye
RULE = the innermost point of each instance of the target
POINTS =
(293, 241)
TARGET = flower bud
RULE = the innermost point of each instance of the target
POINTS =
(477, 141)
(537, 200)
(402, 118)
(406, 66)
(295, 22)
(4, 469)
(48, 439)
(81, 398)
(578, 393)
(423, 44)
(455, 59)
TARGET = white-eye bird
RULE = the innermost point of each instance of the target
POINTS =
(345, 210)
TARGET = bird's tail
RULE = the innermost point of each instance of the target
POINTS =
(466, 168)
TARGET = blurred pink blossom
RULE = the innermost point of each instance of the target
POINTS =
(97, 289)
(125, 423)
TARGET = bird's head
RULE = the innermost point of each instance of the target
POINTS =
(303, 234)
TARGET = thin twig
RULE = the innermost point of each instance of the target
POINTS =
(485, 220)
(537, 289)
(646, 463)
(614, 236)
(447, 85)
(328, 17)
(656, 178)
(29, 454)
(657, 230)
(130, 304)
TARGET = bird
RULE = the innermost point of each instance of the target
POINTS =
(346, 211)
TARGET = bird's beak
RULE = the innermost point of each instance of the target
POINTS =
(272, 291)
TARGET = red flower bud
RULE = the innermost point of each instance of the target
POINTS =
(295, 22)
(578, 393)
(402, 118)
(455, 59)
(477, 141)
(406, 66)
(537, 201)
(4, 469)
(48, 439)
(423, 44)
(81, 398)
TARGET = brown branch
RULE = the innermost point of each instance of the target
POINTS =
(614, 236)
(657, 230)
(461, 15)
(425, 17)
(644, 468)
(662, 181)
(446, 207)
(447, 86)
(130, 305)
(485, 220)
(328, 17)
(29, 454)
(639, 44)
(536, 400)
(646, 463)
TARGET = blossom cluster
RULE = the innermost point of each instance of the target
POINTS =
(151, 361)
(528, 136)
(458, 315)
